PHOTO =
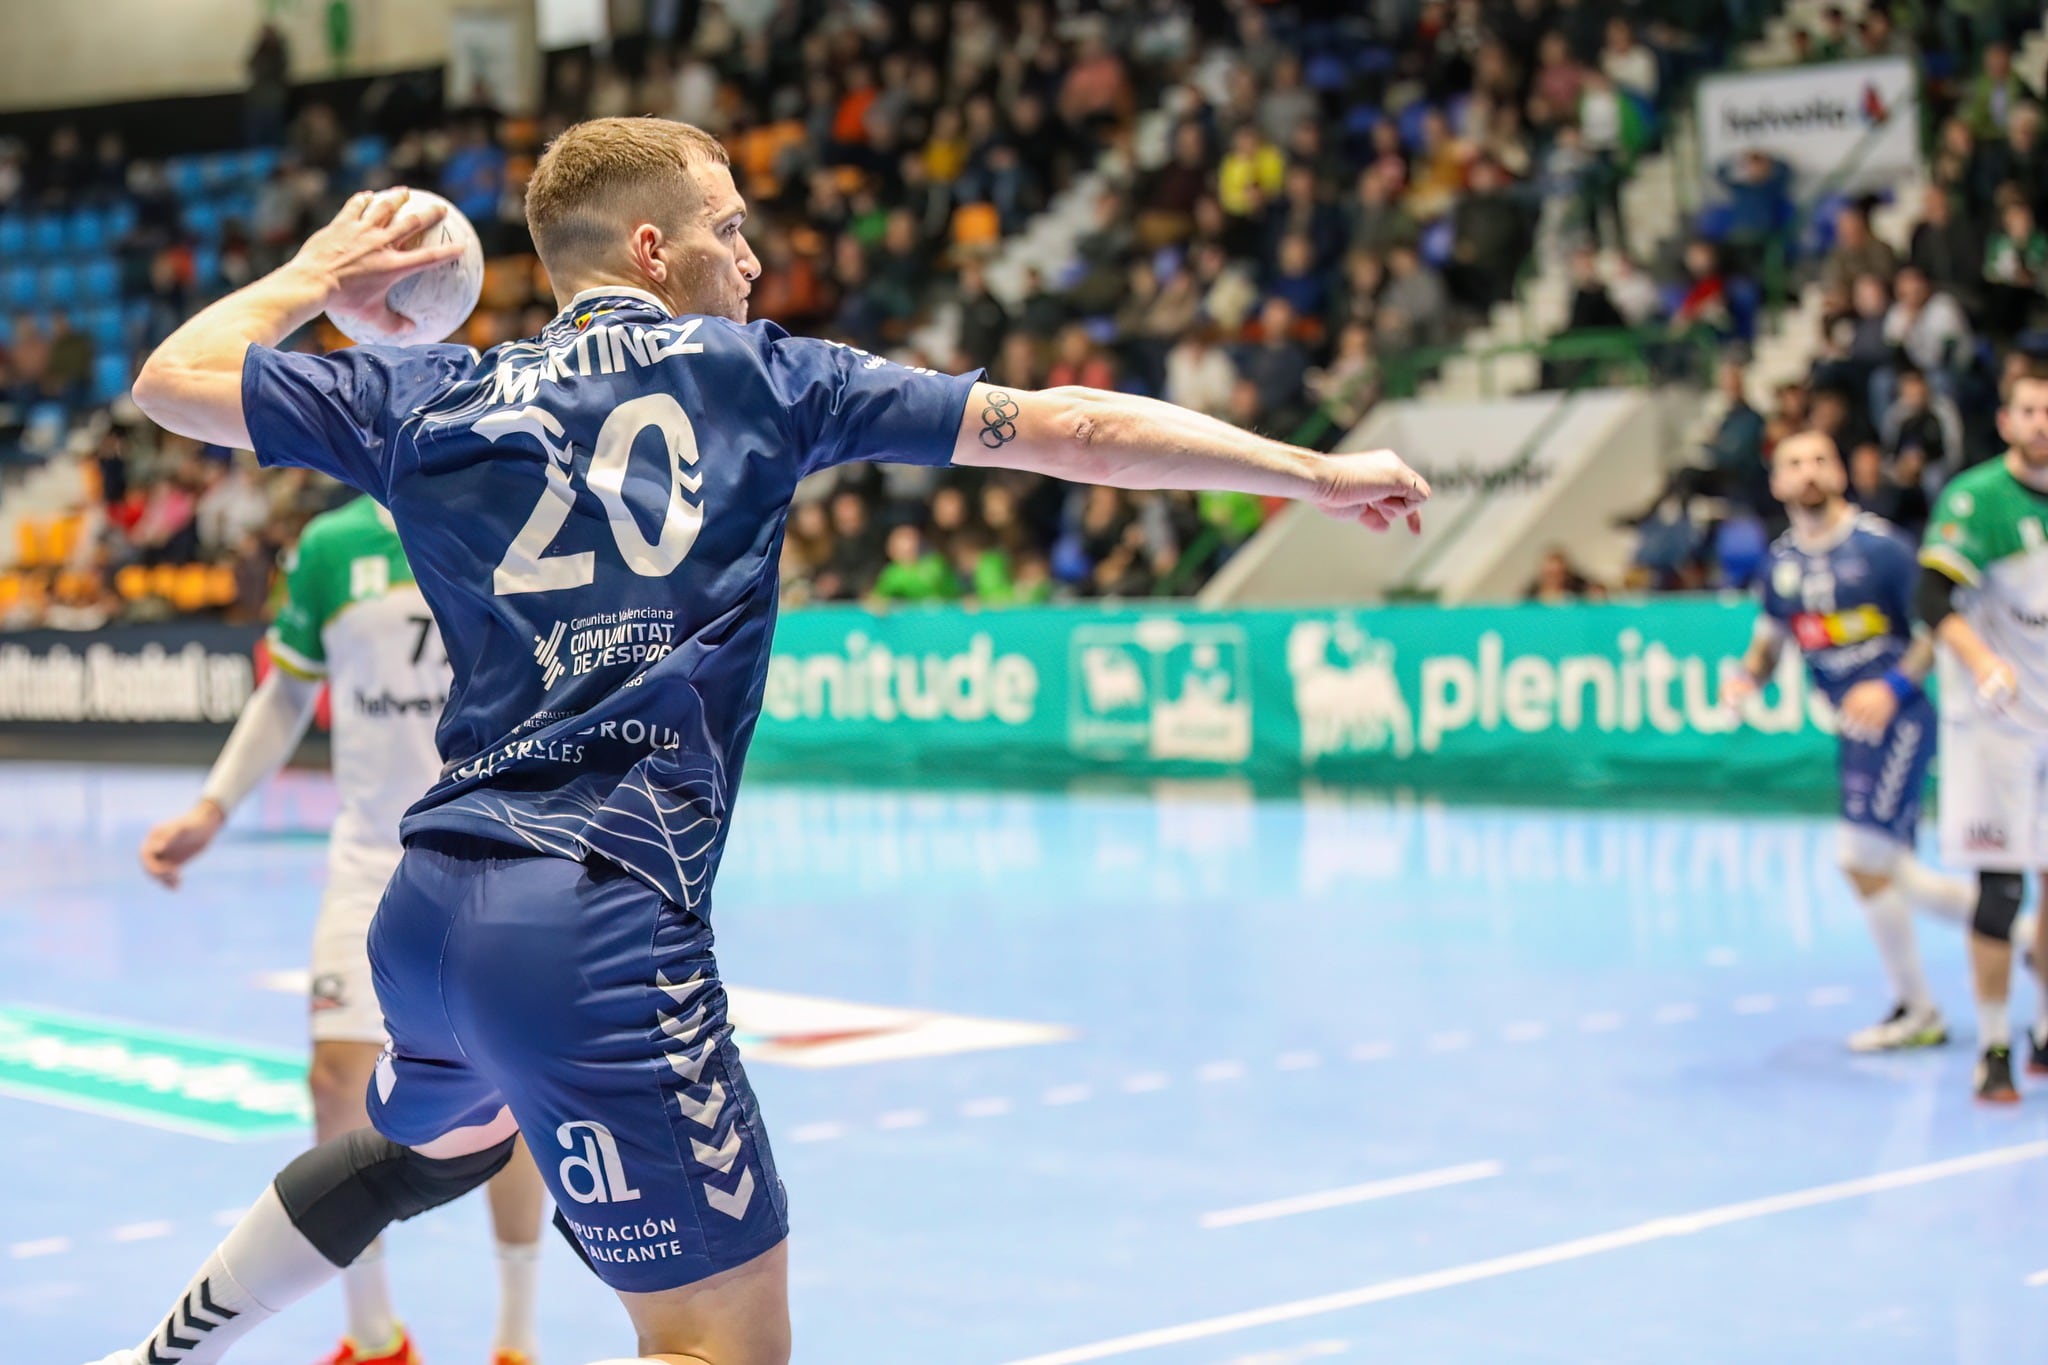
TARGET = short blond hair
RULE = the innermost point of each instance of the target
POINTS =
(609, 173)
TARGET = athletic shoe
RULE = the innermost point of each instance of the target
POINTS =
(1902, 1028)
(2037, 1053)
(120, 1358)
(1994, 1077)
(399, 1353)
(505, 1357)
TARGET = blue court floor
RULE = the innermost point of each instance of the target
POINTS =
(1343, 1077)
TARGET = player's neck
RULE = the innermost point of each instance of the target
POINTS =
(2036, 479)
(573, 291)
(1820, 526)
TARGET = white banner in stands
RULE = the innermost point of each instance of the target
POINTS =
(1814, 118)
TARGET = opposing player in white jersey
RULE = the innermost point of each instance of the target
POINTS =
(354, 617)
(1984, 590)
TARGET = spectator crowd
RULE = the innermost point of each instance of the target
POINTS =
(1283, 208)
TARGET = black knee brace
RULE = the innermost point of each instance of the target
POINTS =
(1998, 904)
(346, 1191)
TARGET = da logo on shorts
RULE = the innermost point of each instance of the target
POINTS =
(594, 1153)
(1985, 836)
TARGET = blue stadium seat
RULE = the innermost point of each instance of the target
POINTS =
(259, 162)
(364, 153)
(59, 284)
(1410, 122)
(1361, 119)
(135, 314)
(13, 237)
(17, 287)
(241, 206)
(1376, 61)
(206, 266)
(103, 323)
(202, 219)
(120, 220)
(220, 169)
(1327, 72)
(87, 232)
(100, 279)
(187, 175)
(109, 376)
(46, 235)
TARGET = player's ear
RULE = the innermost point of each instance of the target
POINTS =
(646, 247)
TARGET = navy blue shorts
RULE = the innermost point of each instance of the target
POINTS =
(1882, 783)
(591, 1005)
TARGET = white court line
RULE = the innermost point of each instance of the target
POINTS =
(901, 1118)
(994, 1106)
(1352, 1194)
(1820, 997)
(1066, 1094)
(1221, 1071)
(1527, 1031)
(1676, 1014)
(1145, 1082)
(2037, 1279)
(1755, 1004)
(1455, 1041)
(1606, 1021)
(1657, 1229)
(141, 1232)
(45, 1246)
(1297, 1061)
(1372, 1052)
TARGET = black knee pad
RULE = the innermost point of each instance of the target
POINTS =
(1998, 904)
(345, 1192)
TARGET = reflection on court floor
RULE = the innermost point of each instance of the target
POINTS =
(1186, 1078)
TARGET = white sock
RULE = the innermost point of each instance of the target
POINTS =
(1891, 928)
(367, 1290)
(517, 1264)
(263, 1267)
(2041, 1017)
(1994, 1025)
(1951, 898)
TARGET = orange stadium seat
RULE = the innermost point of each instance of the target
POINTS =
(976, 227)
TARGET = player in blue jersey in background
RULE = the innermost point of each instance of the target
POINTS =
(1839, 586)
(594, 516)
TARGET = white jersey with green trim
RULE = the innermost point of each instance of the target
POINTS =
(1989, 533)
(353, 615)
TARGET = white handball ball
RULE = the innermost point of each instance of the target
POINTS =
(435, 301)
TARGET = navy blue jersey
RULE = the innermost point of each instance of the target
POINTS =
(595, 516)
(1848, 604)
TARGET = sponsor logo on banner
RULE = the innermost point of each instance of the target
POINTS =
(187, 683)
(1859, 118)
(1346, 693)
(1162, 688)
(161, 1079)
(867, 680)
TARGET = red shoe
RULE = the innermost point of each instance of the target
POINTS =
(400, 1352)
(508, 1357)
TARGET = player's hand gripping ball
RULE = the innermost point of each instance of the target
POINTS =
(432, 302)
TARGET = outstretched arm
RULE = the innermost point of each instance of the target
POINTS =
(192, 383)
(1091, 436)
(264, 736)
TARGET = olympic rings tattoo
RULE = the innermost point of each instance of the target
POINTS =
(998, 420)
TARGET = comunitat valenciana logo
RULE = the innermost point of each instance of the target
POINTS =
(867, 680)
(1351, 697)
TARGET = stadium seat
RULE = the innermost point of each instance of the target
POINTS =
(109, 377)
(1410, 120)
(206, 266)
(976, 226)
(257, 163)
(87, 232)
(220, 169)
(17, 287)
(203, 219)
(103, 323)
(1327, 72)
(1376, 61)
(187, 176)
(13, 237)
(100, 279)
(364, 153)
(58, 284)
(46, 235)
(120, 220)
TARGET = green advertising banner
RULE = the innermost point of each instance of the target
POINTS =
(168, 1080)
(1528, 697)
